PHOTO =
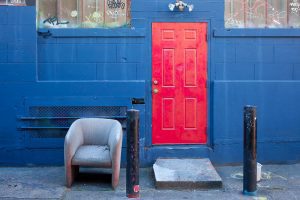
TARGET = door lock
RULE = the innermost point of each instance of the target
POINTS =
(155, 82)
(155, 91)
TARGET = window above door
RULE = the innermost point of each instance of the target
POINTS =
(83, 13)
(262, 14)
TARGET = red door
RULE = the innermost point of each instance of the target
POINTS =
(179, 63)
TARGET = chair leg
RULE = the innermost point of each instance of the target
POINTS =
(71, 173)
(115, 178)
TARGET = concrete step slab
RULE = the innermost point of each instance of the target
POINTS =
(185, 174)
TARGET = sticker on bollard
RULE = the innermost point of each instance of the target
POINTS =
(132, 168)
(136, 188)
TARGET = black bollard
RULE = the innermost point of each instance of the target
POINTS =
(132, 169)
(250, 165)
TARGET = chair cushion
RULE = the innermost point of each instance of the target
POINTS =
(92, 155)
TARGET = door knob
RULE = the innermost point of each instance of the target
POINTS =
(155, 82)
(155, 91)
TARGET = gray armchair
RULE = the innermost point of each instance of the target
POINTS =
(93, 142)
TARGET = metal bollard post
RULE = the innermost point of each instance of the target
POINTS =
(250, 145)
(132, 169)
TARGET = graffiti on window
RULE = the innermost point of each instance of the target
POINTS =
(83, 13)
(262, 13)
(295, 7)
(17, 2)
(54, 21)
(115, 4)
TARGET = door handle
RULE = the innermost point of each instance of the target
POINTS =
(155, 91)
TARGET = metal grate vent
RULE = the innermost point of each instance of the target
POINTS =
(51, 122)
(77, 111)
(48, 133)
(54, 121)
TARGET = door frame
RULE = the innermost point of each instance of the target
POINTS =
(209, 90)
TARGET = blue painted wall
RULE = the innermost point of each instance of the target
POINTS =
(105, 69)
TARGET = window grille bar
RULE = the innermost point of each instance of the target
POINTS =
(266, 13)
(245, 12)
(288, 12)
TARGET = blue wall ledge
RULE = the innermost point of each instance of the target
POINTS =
(256, 32)
(80, 32)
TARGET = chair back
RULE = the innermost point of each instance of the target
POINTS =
(95, 130)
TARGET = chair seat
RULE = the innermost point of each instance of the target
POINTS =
(92, 155)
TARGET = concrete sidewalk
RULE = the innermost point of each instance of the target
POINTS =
(278, 182)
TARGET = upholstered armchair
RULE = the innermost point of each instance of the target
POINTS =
(93, 142)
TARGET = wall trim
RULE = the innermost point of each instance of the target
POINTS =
(77, 33)
(288, 32)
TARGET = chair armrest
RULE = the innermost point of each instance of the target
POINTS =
(73, 140)
(115, 142)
